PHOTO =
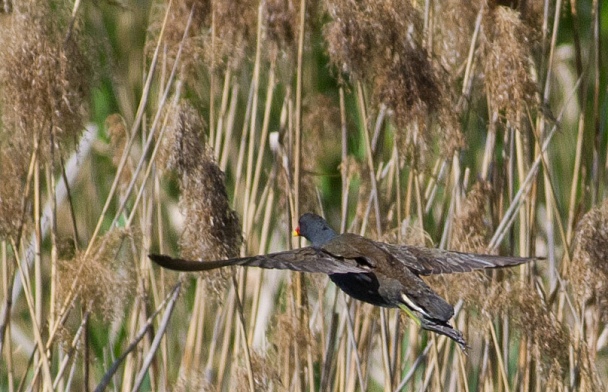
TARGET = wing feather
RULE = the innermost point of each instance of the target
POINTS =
(431, 261)
(306, 259)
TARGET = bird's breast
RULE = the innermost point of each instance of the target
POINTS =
(364, 287)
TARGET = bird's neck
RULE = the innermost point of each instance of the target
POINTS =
(323, 237)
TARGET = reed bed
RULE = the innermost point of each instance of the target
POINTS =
(205, 128)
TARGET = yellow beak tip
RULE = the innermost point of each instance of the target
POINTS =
(295, 233)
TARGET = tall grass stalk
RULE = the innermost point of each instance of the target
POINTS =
(474, 126)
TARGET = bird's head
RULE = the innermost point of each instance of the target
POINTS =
(315, 229)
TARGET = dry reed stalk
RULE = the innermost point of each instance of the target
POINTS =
(409, 85)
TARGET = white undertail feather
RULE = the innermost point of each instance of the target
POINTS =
(413, 306)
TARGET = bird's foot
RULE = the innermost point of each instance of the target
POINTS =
(446, 330)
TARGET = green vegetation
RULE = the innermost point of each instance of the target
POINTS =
(205, 128)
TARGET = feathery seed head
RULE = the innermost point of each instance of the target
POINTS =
(212, 228)
(382, 44)
(589, 269)
(509, 67)
(104, 278)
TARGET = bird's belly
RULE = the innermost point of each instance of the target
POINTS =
(364, 287)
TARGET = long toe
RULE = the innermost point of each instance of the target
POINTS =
(445, 329)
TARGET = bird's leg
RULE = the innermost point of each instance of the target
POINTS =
(410, 313)
(434, 326)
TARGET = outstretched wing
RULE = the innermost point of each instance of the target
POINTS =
(306, 259)
(431, 261)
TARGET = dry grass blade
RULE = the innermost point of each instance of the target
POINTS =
(413, 123)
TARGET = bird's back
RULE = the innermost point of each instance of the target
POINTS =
(389, 283)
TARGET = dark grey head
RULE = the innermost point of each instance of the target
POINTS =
(315, 229)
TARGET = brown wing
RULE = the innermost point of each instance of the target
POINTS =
(354, 248)
(306, 259)
(398, 283)
(431, 261)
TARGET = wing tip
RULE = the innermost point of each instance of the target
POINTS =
(169, 262)
(161, 260)
(497, 261)
(525, 260)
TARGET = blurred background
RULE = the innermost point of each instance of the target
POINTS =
(206, 128)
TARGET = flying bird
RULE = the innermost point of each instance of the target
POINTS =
(374, 272)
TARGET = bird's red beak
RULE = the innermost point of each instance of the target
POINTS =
(296, 232)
